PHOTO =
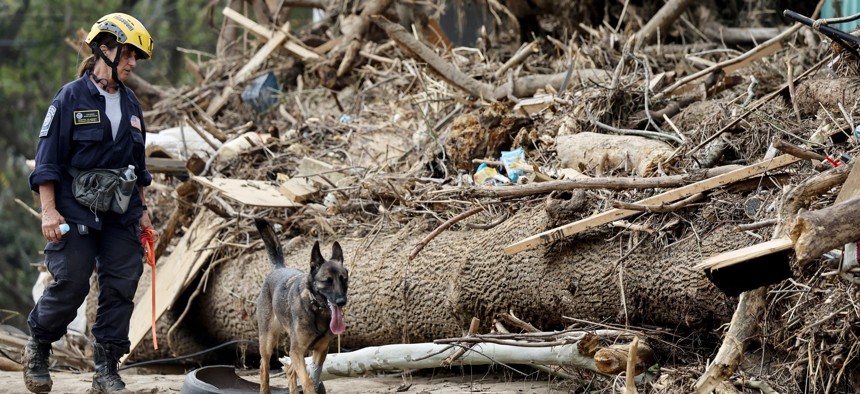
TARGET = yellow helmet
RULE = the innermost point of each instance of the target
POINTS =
(127, 30)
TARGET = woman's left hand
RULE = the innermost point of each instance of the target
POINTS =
(144, 220)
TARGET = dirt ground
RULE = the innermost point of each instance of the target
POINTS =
(449, 383)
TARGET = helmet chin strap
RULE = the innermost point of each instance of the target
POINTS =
(112, 63)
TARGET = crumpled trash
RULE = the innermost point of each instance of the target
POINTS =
(513, 162)
(489, 176)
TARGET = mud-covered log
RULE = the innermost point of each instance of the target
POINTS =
(603, 152)
(466, 274)
(815, 93)
(816, 232)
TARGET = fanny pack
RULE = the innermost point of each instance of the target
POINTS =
(102, 190)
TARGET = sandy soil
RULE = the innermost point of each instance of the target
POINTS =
(66, 382)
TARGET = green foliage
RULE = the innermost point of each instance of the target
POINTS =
(35, 61)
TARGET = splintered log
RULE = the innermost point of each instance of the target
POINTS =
(816, 232)
(466, 274)
(614, 359)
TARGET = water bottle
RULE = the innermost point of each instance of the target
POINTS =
(128, 180)
(64, 228)
(122, 195)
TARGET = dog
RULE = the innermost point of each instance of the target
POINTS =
(307, 306)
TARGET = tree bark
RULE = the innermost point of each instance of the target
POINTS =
(827, 92)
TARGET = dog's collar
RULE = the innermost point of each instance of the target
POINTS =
(314, 301)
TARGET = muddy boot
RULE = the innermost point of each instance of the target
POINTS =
(106, 379)
(35, 361)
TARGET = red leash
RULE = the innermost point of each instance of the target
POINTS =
(148, 238)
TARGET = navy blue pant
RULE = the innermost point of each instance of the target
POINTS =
(116, 254)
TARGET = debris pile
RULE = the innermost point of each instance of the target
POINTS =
(588, 182)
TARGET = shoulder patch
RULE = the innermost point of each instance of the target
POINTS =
(135, 122)
(46, 124)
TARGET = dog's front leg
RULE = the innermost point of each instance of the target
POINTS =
(320, 353)
(299, 367)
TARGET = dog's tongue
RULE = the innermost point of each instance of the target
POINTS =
(337, 326)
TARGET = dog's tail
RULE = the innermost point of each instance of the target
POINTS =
(270, 239)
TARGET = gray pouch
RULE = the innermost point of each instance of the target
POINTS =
(95, 189)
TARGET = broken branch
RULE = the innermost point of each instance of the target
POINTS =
(795, 150)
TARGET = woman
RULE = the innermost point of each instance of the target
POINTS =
(94, 122)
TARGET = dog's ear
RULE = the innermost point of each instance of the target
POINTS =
(316, 257)
(337, 253)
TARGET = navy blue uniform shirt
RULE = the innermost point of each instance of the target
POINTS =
(76, 132)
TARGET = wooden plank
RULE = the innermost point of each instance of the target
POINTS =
(174, 274)
(297, 190)
(315, 170)
(774, 47)
(292, 44)
(748, 253)
(533, 105)
(248, 192)
(277, 38)
(851, 187)
(667, 197)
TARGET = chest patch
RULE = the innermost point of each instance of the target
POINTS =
(46, 124)
(87, 117)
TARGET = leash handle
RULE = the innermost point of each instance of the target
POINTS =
(148, 237)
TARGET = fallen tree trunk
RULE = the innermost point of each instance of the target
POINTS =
(466, 274)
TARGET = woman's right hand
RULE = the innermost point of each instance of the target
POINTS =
(51, 221)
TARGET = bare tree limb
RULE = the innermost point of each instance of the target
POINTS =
(659, 24)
